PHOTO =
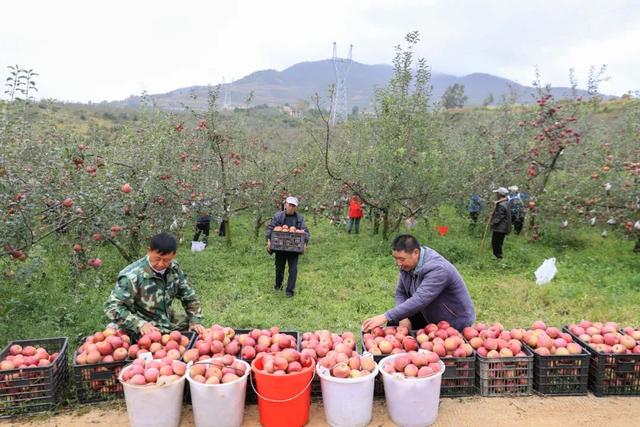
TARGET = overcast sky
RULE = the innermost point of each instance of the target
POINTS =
(86, 50)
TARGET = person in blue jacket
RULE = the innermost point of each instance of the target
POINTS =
(430, 289)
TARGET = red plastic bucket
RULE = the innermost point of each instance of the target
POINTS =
(283, 400)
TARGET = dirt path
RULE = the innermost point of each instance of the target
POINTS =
(469, 411)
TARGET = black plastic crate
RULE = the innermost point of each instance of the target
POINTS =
(560, 375)
(287, 242)
(505, 376)
(458, 378)
(611, 374)
(36, 389)
(98, 382)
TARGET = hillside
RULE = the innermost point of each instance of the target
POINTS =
(301, 81)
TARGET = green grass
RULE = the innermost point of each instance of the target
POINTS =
(341, 281)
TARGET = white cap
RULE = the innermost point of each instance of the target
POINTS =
(501, 190)
(292, 201)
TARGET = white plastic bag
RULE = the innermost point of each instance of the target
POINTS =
(546, 271)
(197, 246)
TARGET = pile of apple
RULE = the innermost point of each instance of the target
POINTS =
(634, 333)
(389, 340)
(287, 361)
(172, 345)
(265, 341)
(154, 372)
(341, 366)
(550, 340)
(216, 341)
(26, 357)
(604, 337)
(285, 228)
(106, 346)
(319, 343)
(221, 370)
(443, 340)
(493, 341)
(414, 364)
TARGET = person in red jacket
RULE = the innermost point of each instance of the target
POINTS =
(355, 213)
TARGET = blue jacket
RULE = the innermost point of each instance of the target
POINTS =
(435, 289)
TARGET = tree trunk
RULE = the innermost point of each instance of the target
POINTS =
(258, 225)
(637, 246)
(385, 224)
(376, 221)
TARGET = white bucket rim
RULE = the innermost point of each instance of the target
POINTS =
(323, 373)
(396, 376)
(147, 386)
(187, 374)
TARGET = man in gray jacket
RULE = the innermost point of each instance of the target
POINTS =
(291, 218)
(500, 221)
(430, 289)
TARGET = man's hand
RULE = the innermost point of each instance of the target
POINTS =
(199, 329)
(147, 328)
(374, 322)
(405, 322)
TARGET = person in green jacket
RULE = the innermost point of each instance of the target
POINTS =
(141, 301)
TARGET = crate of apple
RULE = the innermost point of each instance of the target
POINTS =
(561, 366)
(33, 374)
(615, 357)
(97, 364)
(218, 370)
(413, 364)
(172, 345)
(456, 353)
(381, 342)
(154, 372)
(317, 344)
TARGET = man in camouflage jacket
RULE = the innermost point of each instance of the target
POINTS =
(141, 300)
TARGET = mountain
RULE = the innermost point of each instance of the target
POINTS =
(301, 81)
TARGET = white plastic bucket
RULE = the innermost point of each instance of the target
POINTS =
(219, 405)
(197, 246)
(153, 406)
(348, 402)
(412, 402)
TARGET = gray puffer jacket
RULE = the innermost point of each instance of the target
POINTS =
(435, 289)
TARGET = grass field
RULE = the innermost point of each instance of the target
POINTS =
(342, 280)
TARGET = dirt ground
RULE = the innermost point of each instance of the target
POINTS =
(460, 412)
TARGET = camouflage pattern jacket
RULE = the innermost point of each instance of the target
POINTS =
(140, 296)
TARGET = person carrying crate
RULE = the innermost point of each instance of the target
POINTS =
(290, 218)
(141, 301)
(429, 290)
